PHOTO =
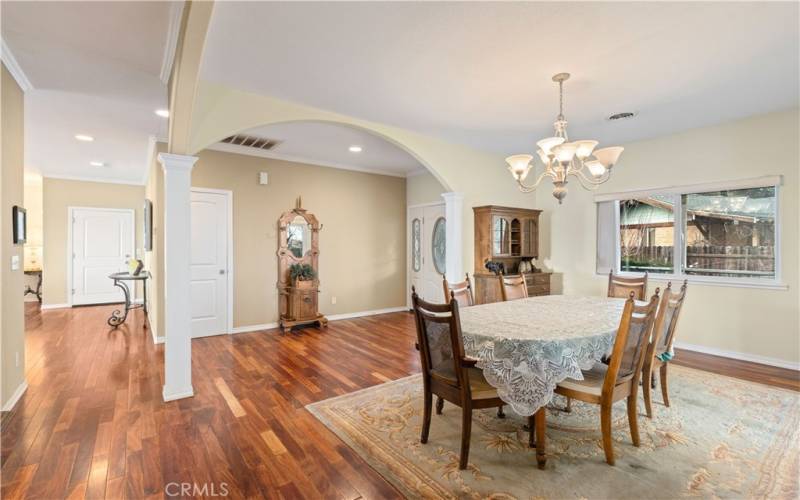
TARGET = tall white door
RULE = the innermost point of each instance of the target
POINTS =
(426, 262)
(209, 263)
(102, 244)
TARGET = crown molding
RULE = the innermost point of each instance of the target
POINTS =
(243, 150)
(13, 67)
(173, 32)
(418, 172)
(101, 180)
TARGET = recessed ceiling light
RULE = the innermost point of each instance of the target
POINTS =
(355, 149)
(627, 115)
(97, 164)
(84, 137)
(163, 113)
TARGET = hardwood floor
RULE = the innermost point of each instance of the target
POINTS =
(92, 423)
(764, 374)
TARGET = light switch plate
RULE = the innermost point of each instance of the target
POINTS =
(15, 262)
(263, 178)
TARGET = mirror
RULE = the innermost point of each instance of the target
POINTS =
(298, 236)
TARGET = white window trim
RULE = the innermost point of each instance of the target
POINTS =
(679, 255)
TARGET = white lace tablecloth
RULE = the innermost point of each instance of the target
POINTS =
(525, 347)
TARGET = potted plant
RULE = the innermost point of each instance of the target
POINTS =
(303, 275)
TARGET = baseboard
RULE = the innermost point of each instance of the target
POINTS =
(753, 358)
(45, 307)
(254, 328)
(361, 314)
(156, 338)
(12, 402)
(335, 317)
(178, 394)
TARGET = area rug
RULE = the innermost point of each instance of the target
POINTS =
(721, 437)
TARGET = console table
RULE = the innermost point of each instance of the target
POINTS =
(38, 291)
(120, 280)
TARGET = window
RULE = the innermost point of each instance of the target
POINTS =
(416, 250)
(713, 233)
(438, 245)
(647, 235)
(730, 233)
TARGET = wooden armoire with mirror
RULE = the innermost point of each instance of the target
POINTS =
(298, 243)
(509, 237)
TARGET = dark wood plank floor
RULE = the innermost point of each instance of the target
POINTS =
(92, 423)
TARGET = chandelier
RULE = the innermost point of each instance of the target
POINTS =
(562, 158)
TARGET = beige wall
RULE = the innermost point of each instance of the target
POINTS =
(58, 195)
(154, 259)
(423, 188)
(757, 322)
(362, 244)
(12, 315)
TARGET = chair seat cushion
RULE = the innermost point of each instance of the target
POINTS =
(480, 388)
(592, 382)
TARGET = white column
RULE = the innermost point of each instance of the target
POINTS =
(177, 255)
(454, 215)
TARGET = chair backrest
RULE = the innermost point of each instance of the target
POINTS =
(440, 344)
(462, 292)
(621, 287)
(513, 287)
(630, 345)
(667, 319)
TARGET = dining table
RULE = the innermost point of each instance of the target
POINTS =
(526, 347)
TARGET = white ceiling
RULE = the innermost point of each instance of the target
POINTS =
(474, 73)
(95, 69)
(327, 144)
(479, 73)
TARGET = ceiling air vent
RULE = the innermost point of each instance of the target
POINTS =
(621, 116)
(250, 141)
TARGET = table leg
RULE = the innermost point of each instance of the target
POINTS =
(39, 287)
(541, 423)
(117, 317)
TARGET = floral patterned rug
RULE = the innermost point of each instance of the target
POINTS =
(722, 437)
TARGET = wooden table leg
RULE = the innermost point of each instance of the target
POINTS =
(541, 422)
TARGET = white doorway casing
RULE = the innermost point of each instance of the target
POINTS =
(100, 242)
(211, 262)
(454, 213)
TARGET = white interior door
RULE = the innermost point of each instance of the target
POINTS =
(102, 243)
(209, 263)
(423, 273)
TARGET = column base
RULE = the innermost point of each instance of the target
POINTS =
(170, 394)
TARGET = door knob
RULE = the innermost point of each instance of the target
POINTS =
(221, 271)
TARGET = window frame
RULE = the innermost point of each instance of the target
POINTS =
(679, 249)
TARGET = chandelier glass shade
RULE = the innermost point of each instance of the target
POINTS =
(562, 158)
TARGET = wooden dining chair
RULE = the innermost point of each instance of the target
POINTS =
(446, 371)
(461, 291)
(513, 287)
(606, 384)
(620, 286)
(659, 351)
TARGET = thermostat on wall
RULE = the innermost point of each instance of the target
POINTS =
(263, 178)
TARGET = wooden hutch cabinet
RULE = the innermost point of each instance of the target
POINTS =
(509, 236)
